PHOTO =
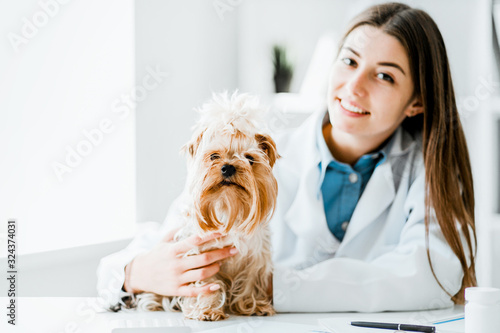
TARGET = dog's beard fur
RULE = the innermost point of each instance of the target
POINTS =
(242, 202)
(238, 205)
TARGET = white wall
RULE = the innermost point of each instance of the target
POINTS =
(198, 49)
(485, 144)
(62, 81)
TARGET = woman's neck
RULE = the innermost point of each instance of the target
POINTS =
(347, 148)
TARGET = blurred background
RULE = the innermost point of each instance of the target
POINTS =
(97, 97)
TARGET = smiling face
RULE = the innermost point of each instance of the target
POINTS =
(371, 89)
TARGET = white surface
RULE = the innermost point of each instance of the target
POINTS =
(63, 273)
(264, 327)
(84, 315)
(173, 329)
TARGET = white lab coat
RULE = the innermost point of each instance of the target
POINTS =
(380, 265)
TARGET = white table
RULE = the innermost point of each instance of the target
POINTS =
(82, 315)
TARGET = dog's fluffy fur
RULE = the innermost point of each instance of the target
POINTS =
(229, 134)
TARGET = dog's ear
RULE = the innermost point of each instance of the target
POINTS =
(267, 144)
(192, 146)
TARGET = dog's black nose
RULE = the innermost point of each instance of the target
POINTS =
(228, 170)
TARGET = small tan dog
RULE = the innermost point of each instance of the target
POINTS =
(230, 189)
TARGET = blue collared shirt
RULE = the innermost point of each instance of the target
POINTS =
(341, 184)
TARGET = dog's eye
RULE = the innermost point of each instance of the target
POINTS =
(214, 157)
(250, 159)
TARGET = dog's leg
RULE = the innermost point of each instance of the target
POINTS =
(256, 302)
(249, 291)
(207, 307)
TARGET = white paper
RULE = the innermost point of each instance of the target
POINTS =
(343, 325)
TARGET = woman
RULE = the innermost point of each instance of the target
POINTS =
(376, 205)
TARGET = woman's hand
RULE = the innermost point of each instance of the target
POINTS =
(165, 271)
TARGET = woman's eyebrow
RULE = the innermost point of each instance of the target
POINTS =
(350, 49)
(390, 64)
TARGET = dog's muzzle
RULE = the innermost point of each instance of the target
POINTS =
(228, 170)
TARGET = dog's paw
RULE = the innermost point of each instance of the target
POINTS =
(264, 310)
(212, 315)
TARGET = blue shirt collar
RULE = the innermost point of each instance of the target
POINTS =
(326, 156)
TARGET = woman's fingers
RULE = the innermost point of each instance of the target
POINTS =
(179, 272)
(192, 291)
(208, 258)
(199, 273)
(193, 241)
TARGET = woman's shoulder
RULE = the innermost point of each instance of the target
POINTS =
(293, 141)
(406, 156)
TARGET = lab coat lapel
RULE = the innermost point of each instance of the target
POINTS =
(379, 192)
(306, 216)
(377, 196)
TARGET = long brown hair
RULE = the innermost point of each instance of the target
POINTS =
(448, 176)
